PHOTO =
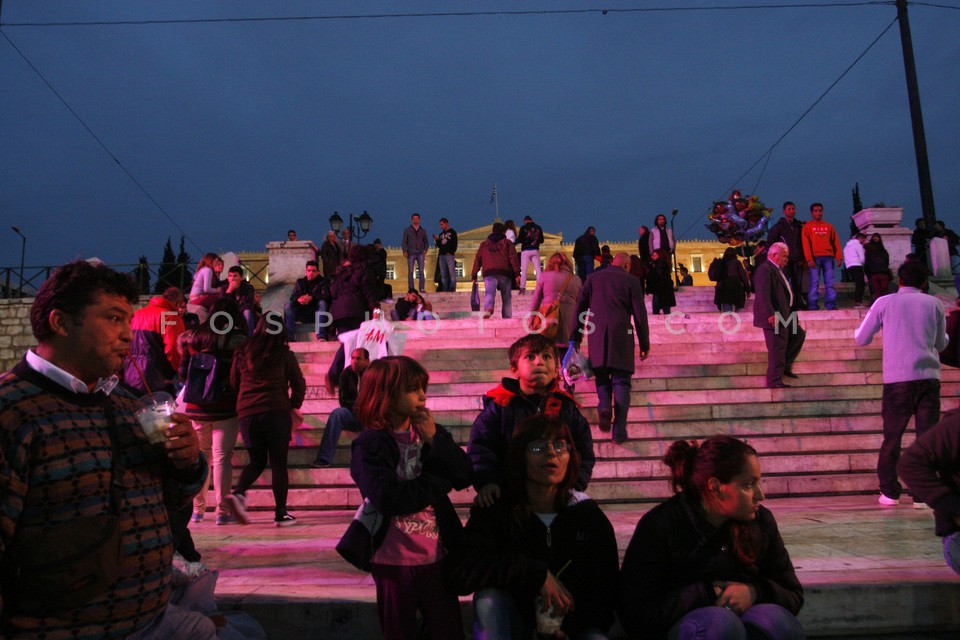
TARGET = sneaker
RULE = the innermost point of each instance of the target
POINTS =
(921, 505)
(224, 518)
(320, 464)
(238, 504)
(284, 521)
(888, 502)
(196, 517)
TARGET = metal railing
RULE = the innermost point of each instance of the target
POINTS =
(146, 275)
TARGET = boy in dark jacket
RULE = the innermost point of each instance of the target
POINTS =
(533, 359)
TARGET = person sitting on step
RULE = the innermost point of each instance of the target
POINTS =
(342, 417)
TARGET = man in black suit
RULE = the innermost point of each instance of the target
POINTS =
(613, 297)
(771, 312)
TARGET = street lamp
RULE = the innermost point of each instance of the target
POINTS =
(363, 224)
(23, 253)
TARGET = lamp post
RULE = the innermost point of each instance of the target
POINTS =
(363, 224)
(23, 253)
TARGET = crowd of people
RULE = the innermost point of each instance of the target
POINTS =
(536, 552)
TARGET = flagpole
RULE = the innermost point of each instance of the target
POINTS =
(497, 200)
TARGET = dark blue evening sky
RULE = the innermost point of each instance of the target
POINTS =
(240, 130)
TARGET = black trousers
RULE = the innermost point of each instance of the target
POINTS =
(783, 347)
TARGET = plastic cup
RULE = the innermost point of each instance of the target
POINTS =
(547, 623)
(156, 416)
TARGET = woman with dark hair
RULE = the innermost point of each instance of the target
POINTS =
(270, 389)
(732, 290)
(355, 295)
(876, 264)
(216, 422)
(660, 284)
(543, 546)
(709, 563)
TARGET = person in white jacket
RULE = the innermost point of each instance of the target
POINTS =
(853, 257)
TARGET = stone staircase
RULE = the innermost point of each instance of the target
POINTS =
(704, 376)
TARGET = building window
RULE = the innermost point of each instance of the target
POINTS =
(696, 264)
(391, 271)
(460, 269)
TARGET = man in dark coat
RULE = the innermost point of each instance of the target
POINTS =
(585, 250)
(613, 297)
(788, 230)
(772, 313)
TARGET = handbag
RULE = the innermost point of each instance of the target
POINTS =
(207, 378)
(475, 297)
(546, 321)
(363, 537)
(70, 563)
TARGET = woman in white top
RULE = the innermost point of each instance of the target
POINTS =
(206, 286)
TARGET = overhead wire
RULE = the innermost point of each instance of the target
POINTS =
(448, 14)
(766, 154)
(100, 142)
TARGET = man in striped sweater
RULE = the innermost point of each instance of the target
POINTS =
(68, 434)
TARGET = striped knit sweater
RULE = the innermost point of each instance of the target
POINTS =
(55, 466)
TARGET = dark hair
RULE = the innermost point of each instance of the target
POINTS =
(527, 430)
(498, 227)
(788, 204)
(313, 263)
(265, 347)
(444, 220)
(912, 273)
(816, 204)
(918, 221)
(74, 287)
(729, 253)
(358, 253)
(589, 229)
(510, 224)
(293, 231)
(172, 294)
(225, 318)
(721, 457)
(235, 269)
(534, 342)
(382, 383)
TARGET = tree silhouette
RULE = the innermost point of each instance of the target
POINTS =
(141, 275)
(184, 275)
(857, 208)
(166, 274)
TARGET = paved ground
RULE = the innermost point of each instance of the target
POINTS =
(854, 558)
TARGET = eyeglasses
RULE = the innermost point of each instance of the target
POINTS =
(541, 446)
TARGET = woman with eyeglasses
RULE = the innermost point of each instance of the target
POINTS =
(709, 563)
(545, 555)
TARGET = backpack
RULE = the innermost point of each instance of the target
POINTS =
(715, 272)
(207, 379)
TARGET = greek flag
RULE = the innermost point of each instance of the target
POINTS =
(493, 194)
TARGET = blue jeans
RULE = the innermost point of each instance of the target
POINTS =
(294, 312)
(951, 551)
(614, 384)
(760, 622)
(415, 258)
(495, 617)
(340, 418)
(448, 272)
(830, 294)
(919, 399)
(490, 286)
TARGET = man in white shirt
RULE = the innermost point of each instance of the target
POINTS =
(914, 332)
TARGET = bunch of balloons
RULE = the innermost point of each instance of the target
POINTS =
(740, 219)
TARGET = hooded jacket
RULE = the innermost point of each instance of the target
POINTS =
(497, 257)
(503, 408)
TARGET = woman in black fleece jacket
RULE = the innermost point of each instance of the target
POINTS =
(542, 539)
(709, 563)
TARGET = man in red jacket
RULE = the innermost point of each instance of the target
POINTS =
(821, 246)
(156, 328)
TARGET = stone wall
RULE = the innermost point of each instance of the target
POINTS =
(15, 333)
